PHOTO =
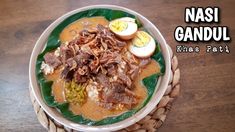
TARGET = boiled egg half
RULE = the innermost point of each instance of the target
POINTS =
(142, 45)
(125, 28)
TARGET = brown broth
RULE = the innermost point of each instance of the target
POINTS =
(84, 23)
(57, 86)
(140, 89)
(91, 109)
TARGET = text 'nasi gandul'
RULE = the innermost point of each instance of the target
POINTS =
(202, 33)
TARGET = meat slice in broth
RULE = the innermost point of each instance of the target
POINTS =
(116, 94)
(52, 60)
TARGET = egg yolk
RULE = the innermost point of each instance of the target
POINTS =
(141, 39)
(118, 26)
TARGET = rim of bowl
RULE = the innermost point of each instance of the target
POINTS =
(158, 94)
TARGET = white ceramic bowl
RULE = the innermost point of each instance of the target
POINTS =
(52, 112)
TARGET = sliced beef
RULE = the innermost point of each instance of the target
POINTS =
(117, 94)
(128, 101)
(105, 57)
(103, 80)
(110, 58)
(94, 65)
(134, 71)
(70, 66)
(52, 60)
(125, 79)
(83, 70)
(79, 78)
(82, 59)
(78, 64)
(87, 49)
(67, 74)
(116, 59)
(111, 70)
(66, 53)
(118, 87)
(71, 63)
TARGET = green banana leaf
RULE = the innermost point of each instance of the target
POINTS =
(54, 42)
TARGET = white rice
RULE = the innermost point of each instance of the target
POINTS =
(46, 68)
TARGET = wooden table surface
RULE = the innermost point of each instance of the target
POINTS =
(207, 100)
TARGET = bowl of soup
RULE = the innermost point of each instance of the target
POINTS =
(99, 68)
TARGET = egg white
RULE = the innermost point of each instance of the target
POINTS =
(130, 31)
(145, 51)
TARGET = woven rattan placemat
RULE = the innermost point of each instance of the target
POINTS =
(150, 123)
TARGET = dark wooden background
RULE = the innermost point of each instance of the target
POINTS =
(207, 100)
